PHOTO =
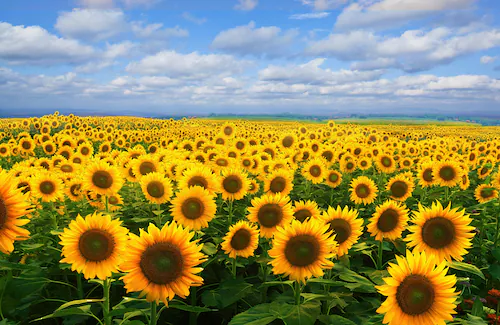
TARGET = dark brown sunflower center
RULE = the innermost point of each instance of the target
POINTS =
(85, 151)
(363, 163)
(278, 184)
(198, 181)
(415, 295)
(315, 171)
(270, 215)
(302, 250)
(67, 168)
(357, 151)
(447, 173)
(75, 189)
(399, 189)
(192, 208)
(333, 177)
(438, 232)
(486, 193)
(350, 165)
(388, 220)
(302, 214)
(3, 213)
(221, 162)
(156, 189)
(362, 191)
(427, 175)
(96, 245)
(241, 239)
(247, 162)
(484, 170)
(228, 130)
(162, 263)
(146, 167)
(287, 141)
(341, 228)
(3, 150)
(386, 162)
(113, 200)
(26, 145)
(232, 184)
(47, 187)
(102, 179)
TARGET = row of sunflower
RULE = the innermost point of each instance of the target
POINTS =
(220, 211)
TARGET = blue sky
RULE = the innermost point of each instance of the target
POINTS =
(194, 57)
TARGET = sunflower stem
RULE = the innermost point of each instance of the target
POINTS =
(230, 211)
(106, 285)
(79, 285)
(107, 205)
(497, 215)
(298, 291)
(193, 316)
(153, 318)
(379, 255)
(446, 194)
(234, 268)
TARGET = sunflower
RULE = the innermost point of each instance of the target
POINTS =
(200, 176)
(347, 165)
(305, 210)
(156, 188)
(94, 245)
(47, 186)
(102, 178)
(49, 147)
(234, 184)
(400, 187)
(346, 226)
(447, 173)
(418, 291)
(425, 177)
(485, 193)
(193, 207)
(388, 221)
(363, 190)
(364, 163)
(144, 165)
(254, 187)
(241, 240)
(314, 170)
(270, 211)
(443, 232)
(385, 163)
(13, 206)
(73, 189)
(301, 250)
(115, 202)
(279, 181)
(333, 178)
(162, 263)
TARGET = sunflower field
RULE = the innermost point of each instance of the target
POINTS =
(126, 221)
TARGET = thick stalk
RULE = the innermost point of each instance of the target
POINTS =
(379, 256)
(79, 285)
(230, 211)
(298, 291)
(106, 285)
(233, 270)
(193, 316)
(153, 317)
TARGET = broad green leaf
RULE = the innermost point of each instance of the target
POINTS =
(335, 319)
(477, 308)
(469, 268)
(257, 315)
(228, 292)
(303, 314)
(82, 310)
(276, 283)
(357, 282)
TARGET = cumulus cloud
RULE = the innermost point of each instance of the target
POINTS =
(486, 59)
(91, 24)
(249, 39)
(246, 5)
(35, 45)
(190, 17)
(310, 15)
(157, 31)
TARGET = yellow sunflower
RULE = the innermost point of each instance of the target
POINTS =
(102, 178)
(333, 178)
(425, 176)
(303, 210)
(47, 187)
(485, 193)
(94, 246)
(363, 190)
(270, 211)
(156, 187)
(162, 263)
(400, 187)
(388, 221)
(13, 206)
(447, 173)
(385, 163)
(314, 170)
(443, 232)
(346, 226)
(301, 250)
(73, 189)
(193, 207)
(279, 181)
(418, 291)
(200, 176)
(241, 240)
(234, 184)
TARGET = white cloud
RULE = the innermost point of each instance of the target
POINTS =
(139, 3)
(328, 4)
(155, 31)
(486, 59)
(35, 45)
(379, 63)
(97, 4)
(190, 17)
(248, 39)
(192, 65)
(246, 5)
(310, 15)
(91, 24)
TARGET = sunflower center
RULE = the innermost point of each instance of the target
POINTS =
(386, 162)
(96, 245)
(47, 187)
(198, 181)
(192, 208)
(333, 177)
(427, 175)
(415, 295)
(85, 151)
(447, 173)
(399, 189)
(270, 215)
(362, 191)
(156, 189)
(75, 189)
(67, 168)
(102, 179)
(388, 220)
(26, 145)
(146, 167)
(302, 250)
(278, 184)
(113, 200)
(241, 239)
(3, 213)
(287, 141)
(228, 130)
(438, 232)
(315, 171)
(232, 184)
(341, 228)
(162, 263)
(487, 193)
(350, 165)
(302, 214)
